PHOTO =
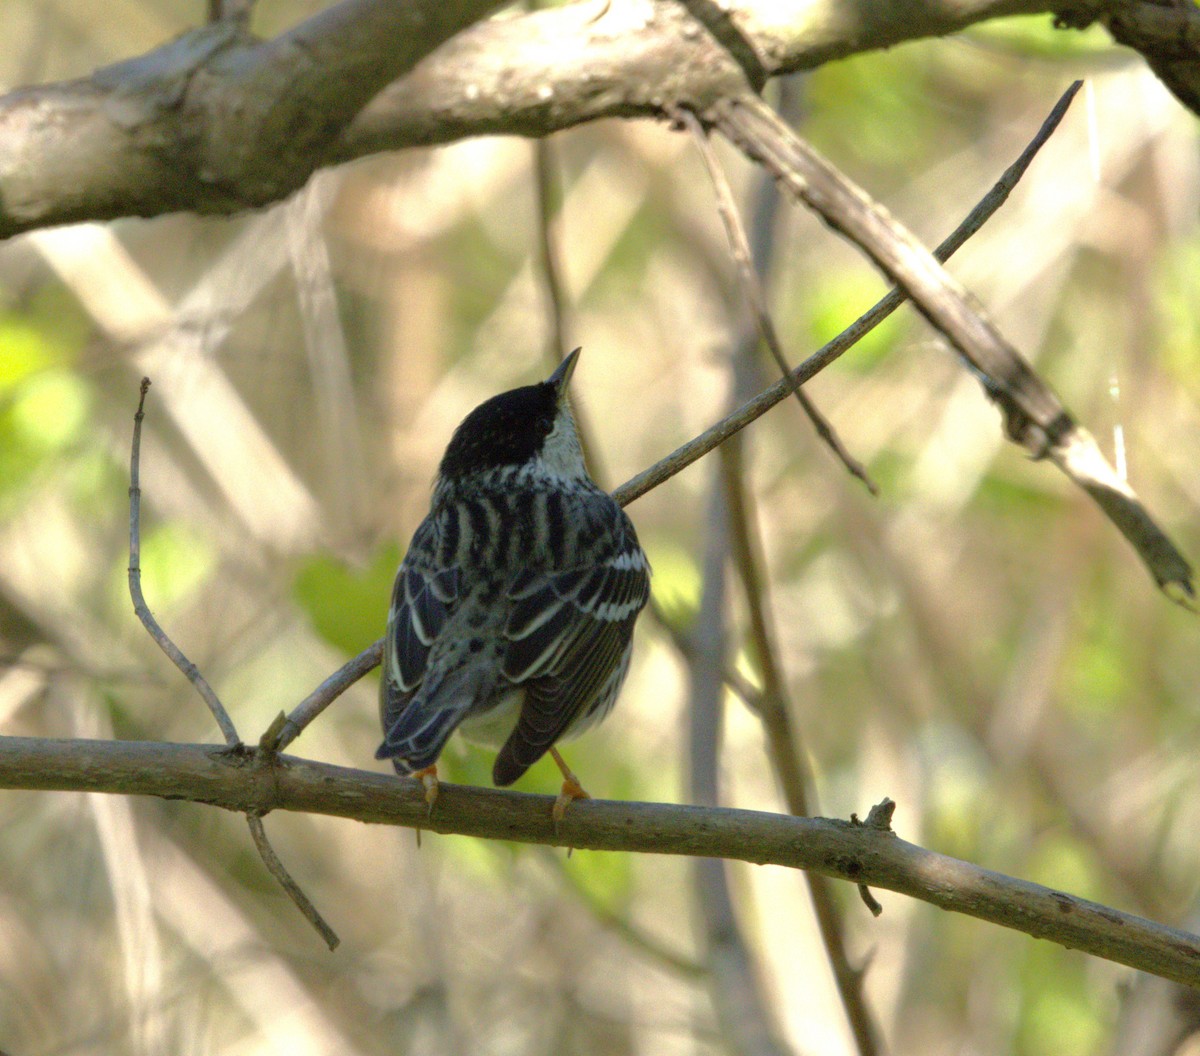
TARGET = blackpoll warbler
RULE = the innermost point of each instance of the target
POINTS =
(512, 614)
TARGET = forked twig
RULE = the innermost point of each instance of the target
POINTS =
(192, 673)
(1033, 416)
(743, 258)
(717, 434)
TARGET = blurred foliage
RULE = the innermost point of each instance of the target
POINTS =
(977, 644)
(345, 604)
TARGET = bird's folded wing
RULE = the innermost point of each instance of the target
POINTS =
(568, 633)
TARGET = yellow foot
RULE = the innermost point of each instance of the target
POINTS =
(571, 790)
(428, 778)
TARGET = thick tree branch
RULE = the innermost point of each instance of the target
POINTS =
(240, 780)
(218, 121)
(215, 121)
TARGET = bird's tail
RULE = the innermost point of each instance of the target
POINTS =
(418, 730)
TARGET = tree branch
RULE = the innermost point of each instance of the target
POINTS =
(215, 121)
(218, 121)
(241, 780)
(1033, 416)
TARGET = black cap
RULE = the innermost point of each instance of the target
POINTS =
(509, 429)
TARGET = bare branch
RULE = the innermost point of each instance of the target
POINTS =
(174, 653)
(739, 246)
(293, 889)
(214, 121)
(218, 121)
(1034, 417)
(235, 779)
(282, 733)
(232, 740)
(1168, 36)
(736, 981)
(558, 68)
(713, 437)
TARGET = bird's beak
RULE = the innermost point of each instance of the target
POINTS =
(561, 377)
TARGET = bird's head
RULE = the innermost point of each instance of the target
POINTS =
(529, 428)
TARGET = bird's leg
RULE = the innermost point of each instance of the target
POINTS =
(571, 788)
(428, 778)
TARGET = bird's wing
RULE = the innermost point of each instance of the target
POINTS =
(568, 637)
(423, 600)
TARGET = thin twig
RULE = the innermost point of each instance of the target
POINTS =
(743, 258)
(253, 819)
(281, 733)
(713, 437)
(743, 1013)
(279, 871)
(786, 749)
(190, 671)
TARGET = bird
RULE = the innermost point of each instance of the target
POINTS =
(513, 609)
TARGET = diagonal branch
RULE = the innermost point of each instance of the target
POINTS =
(237, 779)
(717, 434)
(1033, 416)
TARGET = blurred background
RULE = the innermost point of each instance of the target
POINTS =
(977, 643)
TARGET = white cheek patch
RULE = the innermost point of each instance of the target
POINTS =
(562, 457)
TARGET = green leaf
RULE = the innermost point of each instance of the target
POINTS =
(348, 607)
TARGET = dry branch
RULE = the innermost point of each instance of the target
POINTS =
(233, 742)
(1033, 416)
(218, 121)
(247, 782)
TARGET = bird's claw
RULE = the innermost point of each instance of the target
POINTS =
(571, 791)
(429, 780)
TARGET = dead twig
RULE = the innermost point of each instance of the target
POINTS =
(174, 653)
(743, 258)
(295, 893)
(192, 673)
(1033, 416)
(286, 729)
